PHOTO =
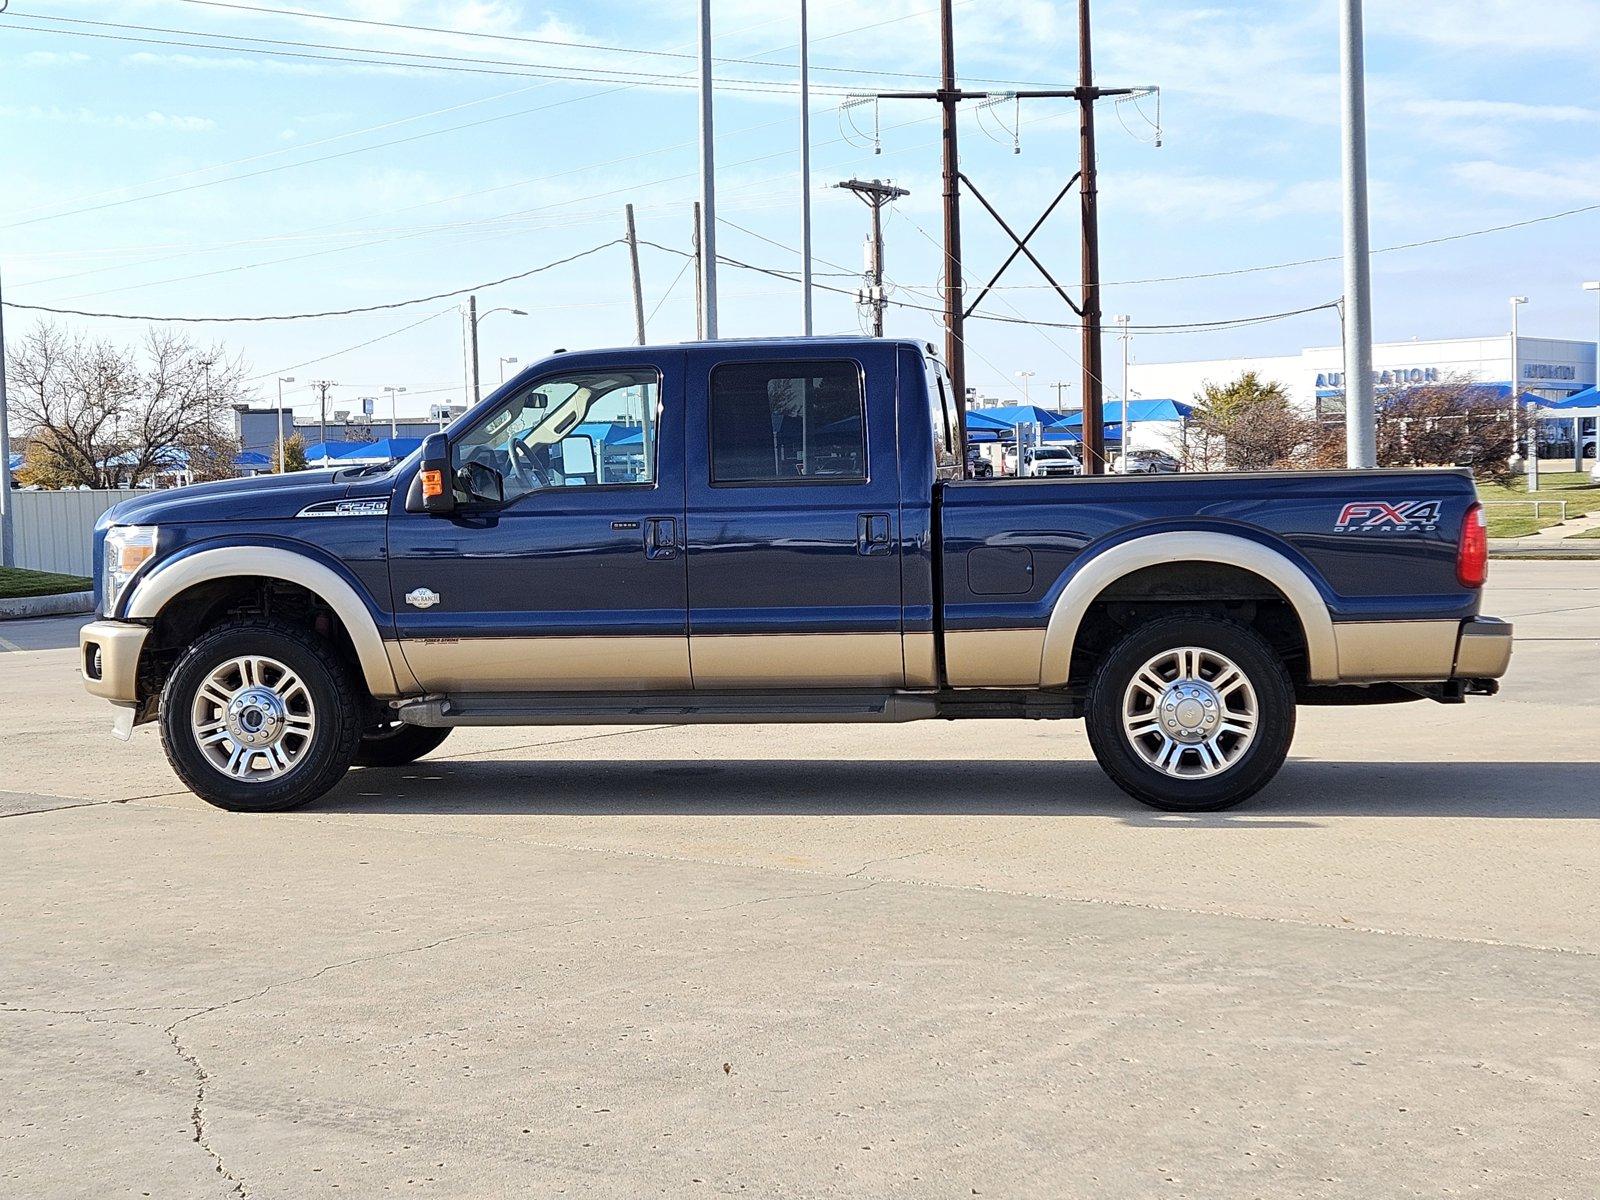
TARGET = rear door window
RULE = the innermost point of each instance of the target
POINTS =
(787, 423)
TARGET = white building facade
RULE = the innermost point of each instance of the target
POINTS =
(1552, 368)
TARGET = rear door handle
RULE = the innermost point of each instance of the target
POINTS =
(661, 537)
(872, 534)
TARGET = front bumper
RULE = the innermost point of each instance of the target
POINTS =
(1484, 649)
(108, 658)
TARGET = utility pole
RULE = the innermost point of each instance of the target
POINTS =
(1361, 435)
(322, 386)
(469, 331)
(805, 174)
(1061, 386)
(1088, 310)
(875, 195)
(1094, 427)
(638, 290)
(699, 280)
(708, 184)
(7, 541)
(955, 343)
(282, 454)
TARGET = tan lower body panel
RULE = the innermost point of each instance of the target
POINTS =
(811, 660)
(550, 664)
(922, 660)
(1396, 650)
(993, 657)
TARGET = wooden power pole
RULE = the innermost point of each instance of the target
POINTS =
(1087, 307)
(876, 194)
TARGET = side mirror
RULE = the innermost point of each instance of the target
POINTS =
(577, 455)
(433, 490)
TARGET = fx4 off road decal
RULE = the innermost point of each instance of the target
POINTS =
(1381, 516)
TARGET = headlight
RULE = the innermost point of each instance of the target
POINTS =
(128, 547)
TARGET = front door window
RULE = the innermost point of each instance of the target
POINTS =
(586, 429)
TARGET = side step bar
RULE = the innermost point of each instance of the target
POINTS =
(669, 708)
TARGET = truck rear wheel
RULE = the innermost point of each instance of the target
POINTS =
(1191, 713)
(259, 716)
(394, 744)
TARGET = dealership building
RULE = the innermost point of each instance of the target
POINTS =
(1550, 368)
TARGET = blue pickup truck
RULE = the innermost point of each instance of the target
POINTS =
(771, 531)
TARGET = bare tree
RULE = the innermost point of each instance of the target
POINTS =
(1455, 422)
(100, 414)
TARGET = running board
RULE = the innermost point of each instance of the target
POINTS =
(667, 708)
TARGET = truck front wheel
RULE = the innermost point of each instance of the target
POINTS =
(259, 716)
(1191, 713)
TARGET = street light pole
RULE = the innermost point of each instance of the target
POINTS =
(1577, 422)
(1531, 460)
(805, 175)
(1025, 376)
(7, 544)
(1122, 320)
(513, 362)
(1361, 435)
(282, 456)
(474, 385)
(708, 184)
(394, 419)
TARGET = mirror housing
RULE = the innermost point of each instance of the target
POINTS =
(433, 490)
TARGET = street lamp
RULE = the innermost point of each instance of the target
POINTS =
(1025, 376)
(1530, 462)
(282, 460)
(503, 363)
(474, 317)
(1577, 422)
(394, 419)
(1122, 319)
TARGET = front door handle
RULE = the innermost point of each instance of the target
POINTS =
(872, 534)
(661, 537)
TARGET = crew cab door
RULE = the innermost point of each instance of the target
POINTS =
(576, 582)
(793, 523)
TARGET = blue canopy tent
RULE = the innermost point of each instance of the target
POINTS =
(384, 451)
(326, 454)
(252, 460)
(1139, 410)
(1012, 415)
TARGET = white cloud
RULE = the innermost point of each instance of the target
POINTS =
(151, 120)
(1575, 182)
(1558, 27)
(52, 58)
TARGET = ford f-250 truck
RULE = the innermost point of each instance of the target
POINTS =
(771, 531)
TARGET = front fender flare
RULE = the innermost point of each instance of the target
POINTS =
(155, 592)
(1157, 549)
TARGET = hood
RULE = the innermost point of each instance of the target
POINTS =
(261, 498)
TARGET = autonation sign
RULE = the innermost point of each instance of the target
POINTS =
(1334, 380)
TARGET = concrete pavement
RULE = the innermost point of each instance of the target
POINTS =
(941, 959)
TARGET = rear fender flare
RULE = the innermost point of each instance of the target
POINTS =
(1100, 572)
(157, 590)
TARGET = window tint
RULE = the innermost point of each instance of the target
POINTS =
(772, 422)
(587, 428)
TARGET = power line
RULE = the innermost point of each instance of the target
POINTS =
(443, 62)
(340, 312)
(485, 35)
(358, 346)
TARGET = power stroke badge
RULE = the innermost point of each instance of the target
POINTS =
(1383, 516)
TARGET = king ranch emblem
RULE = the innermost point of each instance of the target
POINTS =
(1382, 516)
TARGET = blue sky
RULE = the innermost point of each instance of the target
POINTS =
(1482, 112)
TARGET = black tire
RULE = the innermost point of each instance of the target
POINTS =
(394, 744)
(337, 701)
(1260, 759)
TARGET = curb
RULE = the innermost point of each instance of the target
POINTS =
(64, 604)
(1549, 550)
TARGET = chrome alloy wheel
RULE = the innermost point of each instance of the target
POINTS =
(253, 719)
(1190, 712)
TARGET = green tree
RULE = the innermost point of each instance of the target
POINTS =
(1247, 425)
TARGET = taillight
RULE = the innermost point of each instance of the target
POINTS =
(1472, 554)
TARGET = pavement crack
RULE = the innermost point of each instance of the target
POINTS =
(197, 1114)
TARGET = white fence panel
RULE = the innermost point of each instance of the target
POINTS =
(55, 530)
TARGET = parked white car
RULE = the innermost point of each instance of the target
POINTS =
(1043, 461)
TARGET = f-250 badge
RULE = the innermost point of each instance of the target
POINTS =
(422, 598)
(1381, 516)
